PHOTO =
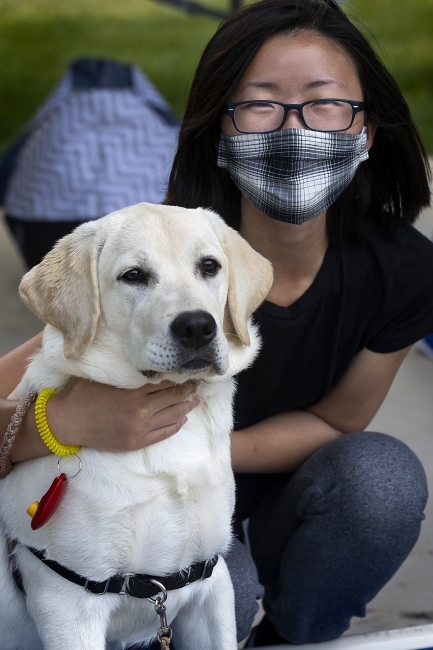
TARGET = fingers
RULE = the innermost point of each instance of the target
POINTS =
(159, 425)
(158, 388)
(173, 414)
(171, 394)
(157, 435)
(112, 419)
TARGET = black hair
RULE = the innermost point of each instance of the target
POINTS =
(389, 189)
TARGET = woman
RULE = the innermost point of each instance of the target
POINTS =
(296, 134)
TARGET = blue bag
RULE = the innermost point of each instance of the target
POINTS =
(104, 139)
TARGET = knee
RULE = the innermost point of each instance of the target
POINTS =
(375, 479)
(386, 477)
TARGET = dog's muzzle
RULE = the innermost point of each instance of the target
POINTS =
(191, 347)
(194, 333)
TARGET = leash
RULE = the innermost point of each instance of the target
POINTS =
(165, 632)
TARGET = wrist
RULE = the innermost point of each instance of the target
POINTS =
(61, 423)
(7, 440)
(44, 428)
(28, 443)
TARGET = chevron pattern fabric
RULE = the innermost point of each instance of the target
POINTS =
(91, 152)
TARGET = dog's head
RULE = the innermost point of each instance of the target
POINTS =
(171, 290)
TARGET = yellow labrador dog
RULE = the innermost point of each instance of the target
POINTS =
(145, 294)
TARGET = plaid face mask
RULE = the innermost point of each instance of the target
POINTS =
(292, 175)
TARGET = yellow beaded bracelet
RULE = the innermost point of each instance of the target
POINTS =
(44, 429)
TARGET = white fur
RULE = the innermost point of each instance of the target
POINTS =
(169, 505)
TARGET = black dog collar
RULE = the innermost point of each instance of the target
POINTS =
(138, 585)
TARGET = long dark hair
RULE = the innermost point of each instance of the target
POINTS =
(390, 188)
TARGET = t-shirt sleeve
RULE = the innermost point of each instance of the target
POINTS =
(409, 314)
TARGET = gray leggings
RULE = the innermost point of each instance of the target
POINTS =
(326, 539)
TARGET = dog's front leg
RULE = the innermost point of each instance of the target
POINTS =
(17, 630)
(71, 621)
(65, 615)
(207, 621)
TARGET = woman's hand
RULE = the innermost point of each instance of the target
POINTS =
(91, 414)
(114, 419)
(107, 418)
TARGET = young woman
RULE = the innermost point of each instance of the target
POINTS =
(297, 135)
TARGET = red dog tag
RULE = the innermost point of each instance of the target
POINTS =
(48, 504)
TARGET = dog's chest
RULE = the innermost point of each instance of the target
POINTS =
(152, 511)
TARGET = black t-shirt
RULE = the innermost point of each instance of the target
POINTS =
(378, 295)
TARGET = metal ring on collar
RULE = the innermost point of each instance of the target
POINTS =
(162, 588)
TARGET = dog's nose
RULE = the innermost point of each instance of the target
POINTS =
(194, 329)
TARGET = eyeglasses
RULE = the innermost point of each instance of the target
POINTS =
(262, 116)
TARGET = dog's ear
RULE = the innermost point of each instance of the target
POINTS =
(63, 289)
(250, 280)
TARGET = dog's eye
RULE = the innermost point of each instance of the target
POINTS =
(134, 276)
(209, 266)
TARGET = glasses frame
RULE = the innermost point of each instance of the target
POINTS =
(357, 107)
